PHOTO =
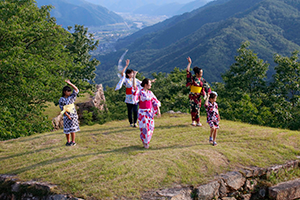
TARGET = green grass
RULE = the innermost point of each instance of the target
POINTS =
(109, 161)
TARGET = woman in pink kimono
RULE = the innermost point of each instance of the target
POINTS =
(148, 107)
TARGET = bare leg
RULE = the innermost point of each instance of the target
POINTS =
(215, 134)
(68, 137)
(73, 137)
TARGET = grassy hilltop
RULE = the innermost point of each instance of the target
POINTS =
(109, 161)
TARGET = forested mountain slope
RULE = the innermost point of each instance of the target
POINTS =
(71, 12)
(211, 37)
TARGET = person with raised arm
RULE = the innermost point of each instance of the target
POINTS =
(148, 107)
(198, 87)
(70, 117)
(132, 105)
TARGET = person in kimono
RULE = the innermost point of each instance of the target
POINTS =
(132, 105)
(148, 107)
(198, 87)
(70, 117)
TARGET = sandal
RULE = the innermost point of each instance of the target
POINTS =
(210, 140)
(193, 124)
(215, 144)
(199, 124)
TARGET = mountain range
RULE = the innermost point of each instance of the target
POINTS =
(151, 7)
(210, 35)
(71, 12)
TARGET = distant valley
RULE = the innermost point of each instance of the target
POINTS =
(210, 35)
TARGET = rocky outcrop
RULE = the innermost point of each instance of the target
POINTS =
(97, 101)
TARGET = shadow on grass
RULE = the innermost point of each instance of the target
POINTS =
(27, 153)
(48, 162)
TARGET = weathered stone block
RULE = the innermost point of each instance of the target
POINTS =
(178, 193)
(208, 191)
(286, 190)
(234, 180)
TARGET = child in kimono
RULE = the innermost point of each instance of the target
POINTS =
(70, 117)
(213, 117)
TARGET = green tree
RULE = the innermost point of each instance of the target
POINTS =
(247, 74)
(287, 78)
(83, 64)
(34, 62)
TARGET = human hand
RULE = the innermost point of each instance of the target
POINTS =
(134, 73)
(158, 115)
(127, 62)
(68, 81)
(189, 60)
(153, 81)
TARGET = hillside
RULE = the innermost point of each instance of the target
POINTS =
(211, 36)
(110, 163)
(69, 13)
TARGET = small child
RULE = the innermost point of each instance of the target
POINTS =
(213, 117)
(66, 104)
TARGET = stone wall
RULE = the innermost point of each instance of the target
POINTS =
(244, 184)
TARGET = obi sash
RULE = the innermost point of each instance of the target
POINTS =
(145, 104)
(128, 91)
(196, 89)
(68, 108)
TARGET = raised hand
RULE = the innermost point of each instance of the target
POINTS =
(189, 60)
(68, 81)
(127, 62)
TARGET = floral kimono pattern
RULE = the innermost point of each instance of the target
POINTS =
(128, 84)
(148, 108)
(213, 117)
(70, 125)
(195, 98)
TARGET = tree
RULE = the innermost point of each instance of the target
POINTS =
(247, 74)
(34, 62)
(287, 78)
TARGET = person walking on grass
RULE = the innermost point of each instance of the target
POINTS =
(70, 117)
(213, 116)
(198, 87)
(148, 107)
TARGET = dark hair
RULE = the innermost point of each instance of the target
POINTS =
(145, 81)
(212, 95)
(197, 70)
(66, 88)
(128, 71)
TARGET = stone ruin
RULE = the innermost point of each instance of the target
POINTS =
(96, 101)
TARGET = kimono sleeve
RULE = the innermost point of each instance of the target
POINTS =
(136, 93)
(61, 103)
(155, 103)
(120, 83)
(73, 96)
(206, 86)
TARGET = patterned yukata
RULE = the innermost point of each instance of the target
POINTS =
(213, 117)
(132, 103)
(148, 108)
(195, 98)
(70, 125)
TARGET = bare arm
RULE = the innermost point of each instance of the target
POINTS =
(127, 64)
(134, 81)
(207, 98)
(189, 65)
(72, 85)
(158, 112)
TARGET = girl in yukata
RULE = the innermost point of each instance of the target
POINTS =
(198, 87)
(70, 117)
(149, 106)
(132, 105)
(213, 117)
